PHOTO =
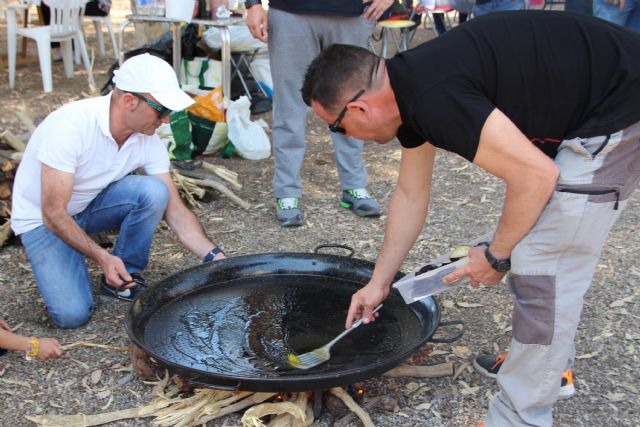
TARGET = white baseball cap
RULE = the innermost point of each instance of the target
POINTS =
(149, 74)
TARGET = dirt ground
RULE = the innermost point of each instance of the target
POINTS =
(466, 202)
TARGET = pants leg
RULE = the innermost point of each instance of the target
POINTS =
(294, 40)
(552, 268)
(135, 204)
(62, 277)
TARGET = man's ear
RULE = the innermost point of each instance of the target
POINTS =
(129, 101)
(361, 107)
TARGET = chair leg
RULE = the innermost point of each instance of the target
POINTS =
(67, 57)
(85, 56)
(98, 27)
(11, 54)
(76, 51)
(384, 42)
(44, 55)
(112, 35)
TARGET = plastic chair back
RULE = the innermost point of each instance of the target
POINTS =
(65, 17)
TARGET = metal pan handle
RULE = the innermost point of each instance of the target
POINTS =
(453, 338)
(335, 245)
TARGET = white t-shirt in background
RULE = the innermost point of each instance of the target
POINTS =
(76, 139)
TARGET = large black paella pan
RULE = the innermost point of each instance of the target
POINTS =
(231, 324)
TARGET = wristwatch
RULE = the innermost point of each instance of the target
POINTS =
(499, 265)
(212, 254)
(249, 3)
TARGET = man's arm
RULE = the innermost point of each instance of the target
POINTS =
(57, 187)
(184, 223)
(257, 22)
(406, 217)
(530, 177)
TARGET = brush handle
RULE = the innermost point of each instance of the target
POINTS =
(346, 331)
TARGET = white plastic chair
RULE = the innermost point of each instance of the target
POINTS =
(97, 23)
(64, 27)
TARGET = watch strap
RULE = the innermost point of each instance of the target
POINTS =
(212, 254)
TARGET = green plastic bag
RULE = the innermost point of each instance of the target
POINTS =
(181, 129)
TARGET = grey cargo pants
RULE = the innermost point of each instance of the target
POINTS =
(552, 268)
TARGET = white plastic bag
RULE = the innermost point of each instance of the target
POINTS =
(241, 38)
(249, 138)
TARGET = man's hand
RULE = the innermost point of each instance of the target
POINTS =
(4, 325)
(364, 301)
(376, 9)
(115, 273)
(49, 349)
(477, 269)
(257, 22)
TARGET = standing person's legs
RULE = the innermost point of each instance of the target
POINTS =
(552, 268)
(292, 46)
(354, 31)
(135, 204)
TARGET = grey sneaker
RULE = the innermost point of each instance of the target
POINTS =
(288, 212)
(360, 202)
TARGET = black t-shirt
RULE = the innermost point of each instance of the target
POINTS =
(556, 75)
(320, 7)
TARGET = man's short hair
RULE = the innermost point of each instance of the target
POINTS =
(336, 72)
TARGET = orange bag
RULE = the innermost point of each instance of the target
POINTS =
(209, 106)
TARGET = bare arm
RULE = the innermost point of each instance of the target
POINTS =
(257, 22)
(57, 187)
(530, 177)
(184, 223)
(407, 214)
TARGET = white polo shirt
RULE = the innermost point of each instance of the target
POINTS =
(76, 139)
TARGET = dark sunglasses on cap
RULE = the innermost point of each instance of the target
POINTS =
(161, 109)
(335, 126)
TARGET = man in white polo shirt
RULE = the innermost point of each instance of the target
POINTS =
(74, 180)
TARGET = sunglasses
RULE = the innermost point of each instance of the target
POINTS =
(335, 126)
(162, 110)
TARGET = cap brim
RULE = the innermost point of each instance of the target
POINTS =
(175, 100)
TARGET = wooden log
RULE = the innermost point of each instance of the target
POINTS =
(432, 371)
(224, 173)
(351, 404)
(25, 118)
(15, 142)
(5, 232)
(221, 188)
(5, 189)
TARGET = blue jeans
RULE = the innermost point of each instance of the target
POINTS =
(136, 204)
(497, 6)
(628, 17)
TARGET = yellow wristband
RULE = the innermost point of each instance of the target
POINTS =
(32, 349)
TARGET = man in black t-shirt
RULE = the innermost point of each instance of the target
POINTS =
(547, 101)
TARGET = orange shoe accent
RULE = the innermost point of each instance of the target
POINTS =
(500, 359)
(568, 375)
(480, 424)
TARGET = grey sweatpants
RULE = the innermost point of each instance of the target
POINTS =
(294, 41)
(552, 268)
